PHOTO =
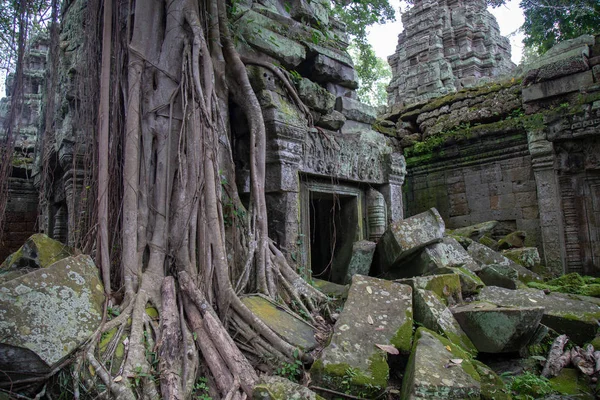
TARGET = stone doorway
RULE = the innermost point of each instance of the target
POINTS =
(332, 220)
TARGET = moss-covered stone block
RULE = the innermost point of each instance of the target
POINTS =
(575, 318)
(278, 388)
(283, 321)
(570, 383)
(486, 256)
(331, 289)
(49, 313)
(496, 329)
(376, 312)
(431, 312)
(470, 283)
(439, 369)
(39, 251)
(447, 287)
(492, 386)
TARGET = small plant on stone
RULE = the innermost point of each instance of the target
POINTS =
(291, 370)
(530, 386)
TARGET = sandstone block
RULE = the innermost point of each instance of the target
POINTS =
(355, 110)
(360, 262)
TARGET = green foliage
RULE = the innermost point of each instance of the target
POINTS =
(530, 386)
(434, 142)
(201, 389)
(374, 74)
(291, 370)
(548, 22)
(571, 283)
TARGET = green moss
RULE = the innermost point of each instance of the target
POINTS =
(571, 283)
(344, 378)
(492, 387)
(402, 340)
(569, 382)
(445, 286)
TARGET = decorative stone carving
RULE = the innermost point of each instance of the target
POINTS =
(446, 45)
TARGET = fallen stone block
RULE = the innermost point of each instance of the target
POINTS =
(431, 312)
(475, 232)
(284, 322)
(470, 283)
(47, 314)
(437, 368)
(492, 386)
(326, 69)
(406, 237)
(446, 287)
(575, 318)
(486, 256)
(496, 329)
(512, 240)
(360, 262)
(331, 289)
(447, 253)
(529, 257)
(500, 275)
(377, 312)
(278, 388)
(39, 251)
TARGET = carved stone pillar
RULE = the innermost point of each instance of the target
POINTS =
(549, 200)
(392, 191)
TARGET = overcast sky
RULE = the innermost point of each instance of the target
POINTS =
(510, 17)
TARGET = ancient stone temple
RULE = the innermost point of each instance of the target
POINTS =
(22, 206)
(446, 45)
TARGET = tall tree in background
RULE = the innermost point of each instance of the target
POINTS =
(548, 22)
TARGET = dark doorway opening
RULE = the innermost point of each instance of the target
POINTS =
(334, 227)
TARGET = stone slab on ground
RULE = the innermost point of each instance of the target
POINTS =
(496, 329)
(331, 289)
(529, 257)
(279, 388)
(575, 318)
(431, 312)
(501, 276)
(360, 262)
(285, 323)
(428, 374)
(377, 312)
(48, 313)
(475, 232)
(406, 237)
(492, 386)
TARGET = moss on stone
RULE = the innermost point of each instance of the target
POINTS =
(351, 380)
(402, 340)
(569, 382)
(492, 387)
(571, 283)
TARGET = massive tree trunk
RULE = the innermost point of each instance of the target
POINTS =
(182, 72)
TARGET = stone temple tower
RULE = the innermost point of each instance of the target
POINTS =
(446, 45)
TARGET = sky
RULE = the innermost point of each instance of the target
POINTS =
(510, 17)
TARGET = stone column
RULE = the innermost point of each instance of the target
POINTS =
(392, 191)
(550, 208)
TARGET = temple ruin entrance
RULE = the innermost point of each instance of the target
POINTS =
(332, 221)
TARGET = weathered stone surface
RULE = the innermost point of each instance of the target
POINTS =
(529, 257)
(470, 283)
(405, 237)
(572, 385)
(332, 289)
(428, 376)
(486, 256)
(496, 329)
(355, 127)
(492, 386)
(446, 287)
(512, 240)
(360, 262)
(278, 388)
(475, 232)
(447, 253)
(376, 312)
(315, 96)
(442, 50)
(575, 318)
(49, 312)
(355, 110)
(499, 275)
(39, 251)
(286, 324)
(431, 312)
(567, 84)
(333, 121)
(326, 69)
(255, 29)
